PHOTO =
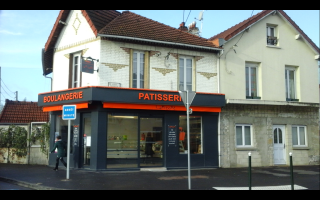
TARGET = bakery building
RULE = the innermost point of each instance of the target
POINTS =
(124, 73)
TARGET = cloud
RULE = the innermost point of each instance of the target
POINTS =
(9, 32)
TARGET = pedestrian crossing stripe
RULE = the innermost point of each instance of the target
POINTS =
(279, 187)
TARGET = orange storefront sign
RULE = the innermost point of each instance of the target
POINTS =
(159, 107)
(62, 97)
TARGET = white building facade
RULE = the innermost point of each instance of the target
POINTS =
(268, 73)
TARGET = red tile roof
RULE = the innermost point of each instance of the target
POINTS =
(22, 112)
(234, 30)
(127, 24)
(132, 25)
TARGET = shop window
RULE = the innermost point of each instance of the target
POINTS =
(243, 135)
(299, 136)
(122, 140)
(61, 128)
(195, 124)
(186, 74)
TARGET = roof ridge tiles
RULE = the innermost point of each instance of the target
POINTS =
(123, 25)
(170, 26)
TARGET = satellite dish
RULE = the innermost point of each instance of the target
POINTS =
(201, 15)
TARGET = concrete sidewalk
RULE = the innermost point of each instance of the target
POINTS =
(42, 177)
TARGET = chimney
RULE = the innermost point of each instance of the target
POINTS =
(183, 27)
(193, 29)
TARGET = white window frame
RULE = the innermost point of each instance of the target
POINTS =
(184, 75)
(287, 83)
(76, 70)
(249, 66)
(272, 32)
(140, 66)
(298, 136)
(243, 138)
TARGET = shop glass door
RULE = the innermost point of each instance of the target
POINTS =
(151, 137)
(86, 140)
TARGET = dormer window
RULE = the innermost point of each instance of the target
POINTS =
(272, 38)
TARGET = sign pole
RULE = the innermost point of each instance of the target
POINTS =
(68, 150)
(187, 98)
(188, 138)
(69, 112)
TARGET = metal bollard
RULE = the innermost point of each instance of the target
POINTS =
(249, 156)
(291, 171)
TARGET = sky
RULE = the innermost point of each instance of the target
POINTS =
(23, 34)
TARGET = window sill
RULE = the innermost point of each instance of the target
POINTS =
(248, 97)
(300, 148)
(292, 99)
(273, 46)
(246, 149)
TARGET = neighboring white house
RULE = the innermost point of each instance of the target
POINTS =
(269, 75)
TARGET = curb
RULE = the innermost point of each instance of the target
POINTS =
(28, 185)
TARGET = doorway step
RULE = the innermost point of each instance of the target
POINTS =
(154, 169)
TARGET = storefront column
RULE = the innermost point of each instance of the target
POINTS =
(52, 157)
(98, 140)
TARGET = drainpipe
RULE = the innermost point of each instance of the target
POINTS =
(50, 83)
(50, 90)
(219, 116)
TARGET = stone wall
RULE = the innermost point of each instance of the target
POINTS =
(263, 118)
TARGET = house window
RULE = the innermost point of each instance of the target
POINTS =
(195, 130)
(138, 69)
(185, 74)
(299, 136)
(290, 78)
(243, 135)
(75, 71)
(271, 35)
(252, 81)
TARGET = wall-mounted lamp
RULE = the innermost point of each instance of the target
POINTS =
(61, 22)
(233, 47)
(89, 58)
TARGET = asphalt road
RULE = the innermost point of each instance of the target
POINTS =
(10, 186)
(263, 178)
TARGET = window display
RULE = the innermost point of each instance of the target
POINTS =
(195, 134)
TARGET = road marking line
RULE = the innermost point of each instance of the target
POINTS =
(280, 187)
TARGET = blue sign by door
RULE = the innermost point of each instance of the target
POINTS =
(69, 112)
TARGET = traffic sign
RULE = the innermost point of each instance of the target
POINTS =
(69, 112)
(187, 97)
